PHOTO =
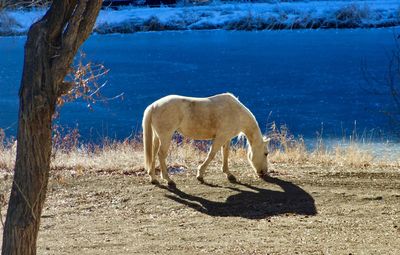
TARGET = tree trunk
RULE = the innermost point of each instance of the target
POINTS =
(51, 45)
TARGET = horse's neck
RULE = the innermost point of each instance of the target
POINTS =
(253, 132)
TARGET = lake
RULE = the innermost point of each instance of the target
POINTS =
(313, 81)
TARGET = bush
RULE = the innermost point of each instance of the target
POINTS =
(352, 14)
(7, 23)
(152, 24)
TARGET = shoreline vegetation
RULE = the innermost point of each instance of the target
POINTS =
(227, 16)
(126, 157)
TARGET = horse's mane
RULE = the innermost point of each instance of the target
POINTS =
(243, 106)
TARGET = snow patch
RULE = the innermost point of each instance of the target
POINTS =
(232, 16)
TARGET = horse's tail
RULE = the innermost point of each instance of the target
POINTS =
(147, 138)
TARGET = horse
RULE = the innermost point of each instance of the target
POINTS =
(218, 118)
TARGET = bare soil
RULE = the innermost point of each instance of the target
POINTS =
(296, 210)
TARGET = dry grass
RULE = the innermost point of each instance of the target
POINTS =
(123, 158)
(127, 156)
(339, 156)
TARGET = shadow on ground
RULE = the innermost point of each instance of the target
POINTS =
(257, 203)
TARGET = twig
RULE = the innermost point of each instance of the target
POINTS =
(98, 89)
(109, 98)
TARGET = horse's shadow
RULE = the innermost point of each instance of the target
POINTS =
(255, 204)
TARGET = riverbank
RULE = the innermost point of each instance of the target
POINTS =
(229, 16)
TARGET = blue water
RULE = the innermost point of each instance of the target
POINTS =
(310, 80)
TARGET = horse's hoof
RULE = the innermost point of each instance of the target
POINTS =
(263, 176)
(154, 182)
(171, 184)
(232, 178)
(200, 179)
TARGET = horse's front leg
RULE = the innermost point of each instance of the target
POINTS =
(217, 143)
(225, 155)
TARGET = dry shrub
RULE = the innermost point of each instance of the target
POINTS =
(353, 156)
(15, 4)
(64, 138)
(286, 149)
(110, 156)
(7, 157)
(120, 157)
(286, 11)
(84, 82)
(247, 22)
(153, 24)
(126, 157)
(353, 13)
(8, 150)
(188, 152)
(6, 23)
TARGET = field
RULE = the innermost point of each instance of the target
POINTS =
(299, 209)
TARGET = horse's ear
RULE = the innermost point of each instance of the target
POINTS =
(266, 139)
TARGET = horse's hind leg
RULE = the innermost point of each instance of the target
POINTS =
(156, 146)
(225, 155)
(162, 155)
(217, 143)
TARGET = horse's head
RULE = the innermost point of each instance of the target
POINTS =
(258, 156)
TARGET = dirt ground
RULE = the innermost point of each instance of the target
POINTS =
(295, 211)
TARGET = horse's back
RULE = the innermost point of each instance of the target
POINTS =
(198, 118)
(200, 108)
(175, 102)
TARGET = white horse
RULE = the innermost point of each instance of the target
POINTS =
(218, 118)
